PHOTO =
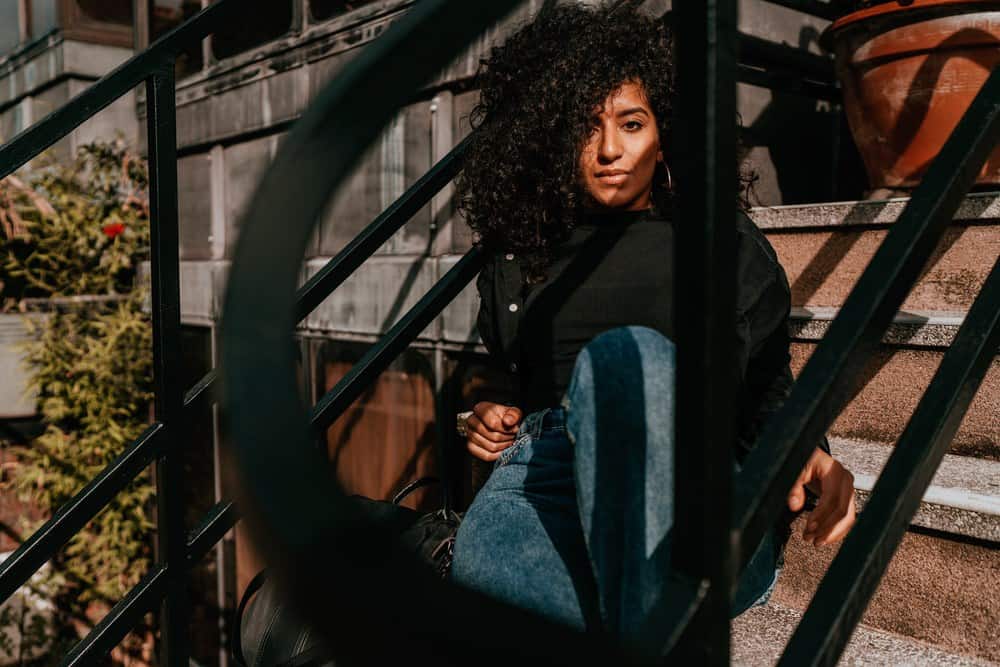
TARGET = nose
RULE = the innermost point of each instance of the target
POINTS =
(610, 145)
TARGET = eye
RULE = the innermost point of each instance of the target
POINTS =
(633, 126)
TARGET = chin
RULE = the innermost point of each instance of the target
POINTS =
(617, 199)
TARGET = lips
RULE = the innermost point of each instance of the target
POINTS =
(612, 176)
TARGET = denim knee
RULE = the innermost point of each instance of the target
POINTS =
(619, 357)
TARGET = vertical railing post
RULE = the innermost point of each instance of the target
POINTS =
(161, 121)
(704, 155)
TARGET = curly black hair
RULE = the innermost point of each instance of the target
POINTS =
(520, 190)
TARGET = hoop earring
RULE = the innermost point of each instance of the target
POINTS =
(670, 180)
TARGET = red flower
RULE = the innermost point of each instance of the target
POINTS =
(113, 229)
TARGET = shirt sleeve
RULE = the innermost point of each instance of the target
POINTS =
(764, 327)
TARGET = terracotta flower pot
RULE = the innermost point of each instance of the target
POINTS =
(909, 70)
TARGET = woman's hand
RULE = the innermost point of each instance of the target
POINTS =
(491, 428)
(835, 513)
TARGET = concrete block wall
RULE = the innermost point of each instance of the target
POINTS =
(43, 78)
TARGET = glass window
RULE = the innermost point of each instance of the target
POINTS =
(167, 15)
(118, 12)
(10, 31)
(44, 17)
(268, 22)
(328, 9)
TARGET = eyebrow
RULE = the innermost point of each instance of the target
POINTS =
(626, 112)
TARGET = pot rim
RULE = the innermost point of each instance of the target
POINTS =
(893, 7)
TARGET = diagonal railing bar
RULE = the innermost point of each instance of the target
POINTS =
(361, 247)
(759, 52)
(825, 384)
(334, 402)
(118, 622)
(364, 245)
(856, 571)
(786, 83)
(74, 514)
(201, 388)
(134, 71)
(213, 526)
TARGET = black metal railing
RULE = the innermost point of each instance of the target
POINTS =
(165, 583)
(292, 500)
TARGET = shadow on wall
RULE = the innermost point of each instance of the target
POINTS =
(809, 145)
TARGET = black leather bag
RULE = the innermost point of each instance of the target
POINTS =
(265, 631)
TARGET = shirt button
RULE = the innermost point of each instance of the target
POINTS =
(513, 367)
(510, 255)
(512, 307)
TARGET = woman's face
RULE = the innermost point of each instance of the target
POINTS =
(620, 155)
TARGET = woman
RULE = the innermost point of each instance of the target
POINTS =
(568, 188)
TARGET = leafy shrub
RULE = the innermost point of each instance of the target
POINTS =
(70, 240)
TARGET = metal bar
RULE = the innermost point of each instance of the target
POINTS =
(212, 528)
(122, 618)
(826, 383)
(200, 387)
(362, 246)
(824, 10)
(366, 370)
(760, 52)
(786, 83)
(858, 568)
(74, 515)
(705, 141)
(169, 394)
(119, 81)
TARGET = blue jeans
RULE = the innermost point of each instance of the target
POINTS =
(574, 522)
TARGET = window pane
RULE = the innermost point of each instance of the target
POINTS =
(10, 32)
(43, 16)
(118, 12)
(167, 15)
(328, 9)
(268, 22)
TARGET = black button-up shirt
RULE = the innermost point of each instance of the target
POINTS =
(762, 342)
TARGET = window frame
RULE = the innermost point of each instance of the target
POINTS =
(76, 25)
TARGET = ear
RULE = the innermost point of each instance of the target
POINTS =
(659, 155)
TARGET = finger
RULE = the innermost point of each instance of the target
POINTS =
(487, 444)
(838, 507)
(843, 523)
(512, 417)
(475, 425)
(797, 496)
(836, 533)
(820, 517)
(481, 453)
(491, 415)
(839, 529)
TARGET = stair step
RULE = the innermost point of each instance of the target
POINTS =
(759, 637)
(916, 328)
(824, 249)
(963, 497)
(980, 207)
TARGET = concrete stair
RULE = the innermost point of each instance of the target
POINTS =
(760, 635)
(939, 602)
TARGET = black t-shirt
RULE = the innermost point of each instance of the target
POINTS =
(615, 269)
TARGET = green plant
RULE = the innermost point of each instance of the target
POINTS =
(74, 229)
(68, 233)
